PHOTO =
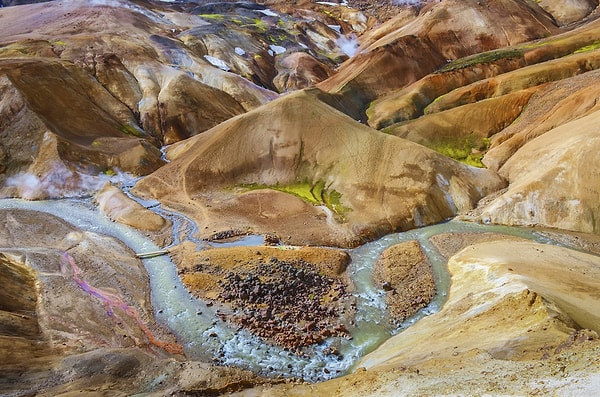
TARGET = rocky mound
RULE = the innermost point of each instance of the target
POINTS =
(293, 297)
(120, 208)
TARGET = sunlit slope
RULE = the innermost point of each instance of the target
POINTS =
(374, 183)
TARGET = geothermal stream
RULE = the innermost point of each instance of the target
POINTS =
(205, 337)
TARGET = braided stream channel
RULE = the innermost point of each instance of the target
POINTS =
(205, 337)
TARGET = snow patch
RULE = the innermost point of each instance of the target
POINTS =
(123, 4)
(217, 62)
(330, 3)
(444, 185)
(442, 181)
(107, 3)
(268, 13)
(277, 49)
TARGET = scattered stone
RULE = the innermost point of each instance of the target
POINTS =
(271, 239)
(294, 297)
(284, 301)
(226, 234)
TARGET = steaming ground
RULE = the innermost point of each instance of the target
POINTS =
(62, 182)
(348, 44)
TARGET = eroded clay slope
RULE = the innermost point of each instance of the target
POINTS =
(442, 31)
(355, 182)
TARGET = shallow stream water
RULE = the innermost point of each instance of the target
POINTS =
(205, 337)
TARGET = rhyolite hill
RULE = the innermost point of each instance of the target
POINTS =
(482, 109)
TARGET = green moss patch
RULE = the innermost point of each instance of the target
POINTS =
(594, 46)
(16, 49)
(212, 17)
(468, 150)
(260, 24)
(131, 130)
(313, 193)
(484, 57)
